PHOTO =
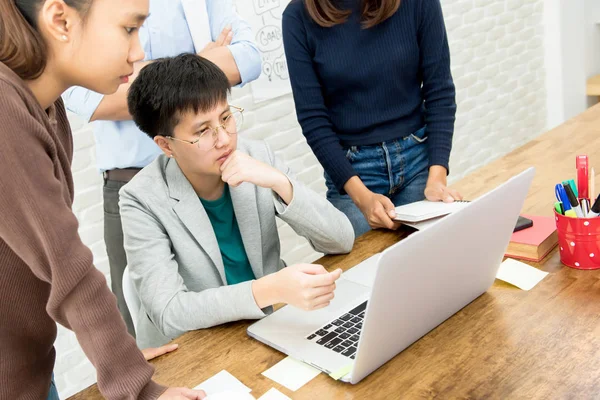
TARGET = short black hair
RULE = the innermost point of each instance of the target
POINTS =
(168, 87)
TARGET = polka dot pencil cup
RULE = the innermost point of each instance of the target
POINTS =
(578, 241)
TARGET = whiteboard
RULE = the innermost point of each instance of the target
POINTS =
(264, 16)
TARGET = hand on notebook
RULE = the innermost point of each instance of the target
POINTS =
(436, 189)
(305, 286)
(378, 210)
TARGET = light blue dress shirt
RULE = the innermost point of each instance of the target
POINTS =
(120, 144)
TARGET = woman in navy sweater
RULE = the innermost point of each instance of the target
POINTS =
(375, 98)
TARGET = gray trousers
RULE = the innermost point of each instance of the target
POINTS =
(113, 238)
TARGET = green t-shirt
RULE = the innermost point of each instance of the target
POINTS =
(221, 215)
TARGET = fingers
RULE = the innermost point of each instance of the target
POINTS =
(233, 179)
(446, 196)
(229, 38)
(437, 191)
(455, 194)
(322, 279)
(237, 169)
(380, 212)
(312, 269)
(384, 219)
(182, 394)
(380, 217)
(229, 161)
(450, 195)
(154, 352)
(434, 193)
(320, 306)
(321, 301)
(313, 299)
(224, 39)
(220, 41)
(230, 171)
(322, 291)
(193, 394)
(389, 207)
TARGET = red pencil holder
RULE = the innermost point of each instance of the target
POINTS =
(578, 241)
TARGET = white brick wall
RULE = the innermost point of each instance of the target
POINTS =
(498, 67)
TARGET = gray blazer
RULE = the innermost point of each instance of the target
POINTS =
(174, 258)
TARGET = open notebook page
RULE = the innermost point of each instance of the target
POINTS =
(424, 210)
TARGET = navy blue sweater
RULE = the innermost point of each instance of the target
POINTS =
(355, 86)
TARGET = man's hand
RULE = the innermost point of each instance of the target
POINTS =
(224, 39)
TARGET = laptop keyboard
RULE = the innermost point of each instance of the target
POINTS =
(341, 335)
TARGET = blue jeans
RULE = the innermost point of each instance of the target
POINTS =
(397, 169)
(53, 394)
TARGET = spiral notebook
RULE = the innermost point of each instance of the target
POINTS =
(425, 210)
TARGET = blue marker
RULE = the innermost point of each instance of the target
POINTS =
(561, 195)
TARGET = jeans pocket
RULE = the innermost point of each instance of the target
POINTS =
(351, 153)
(419, 136)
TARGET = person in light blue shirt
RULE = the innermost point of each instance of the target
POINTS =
(121, 148)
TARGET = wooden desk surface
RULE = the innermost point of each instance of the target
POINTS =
(508, 343)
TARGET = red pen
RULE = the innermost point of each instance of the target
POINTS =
(582, 177)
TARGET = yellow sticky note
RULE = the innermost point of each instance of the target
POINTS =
(340, 373)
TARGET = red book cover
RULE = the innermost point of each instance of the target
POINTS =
(525, 244)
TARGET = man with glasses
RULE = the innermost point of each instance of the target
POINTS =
(121, 148)
(199, 222)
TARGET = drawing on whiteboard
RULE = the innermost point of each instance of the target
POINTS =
(265, 18)
(266, 68)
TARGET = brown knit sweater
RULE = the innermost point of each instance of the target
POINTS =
(46, 272)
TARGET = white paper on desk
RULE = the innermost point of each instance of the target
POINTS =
(229, 395)
(520, 274)
(274, 394)
(291, 373)
(222, 382)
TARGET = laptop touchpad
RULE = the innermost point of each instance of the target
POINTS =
(363, 273)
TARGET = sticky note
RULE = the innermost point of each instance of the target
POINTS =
(340, 373)
(520, 274)
(291, 373)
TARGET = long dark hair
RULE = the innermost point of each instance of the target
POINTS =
(373, 12)
(22, 47)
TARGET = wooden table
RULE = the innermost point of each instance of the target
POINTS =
(592, 86)
(507, 344)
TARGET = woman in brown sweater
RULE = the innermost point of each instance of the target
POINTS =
(47, 275)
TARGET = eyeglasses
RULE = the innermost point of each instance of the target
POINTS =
(231, 123)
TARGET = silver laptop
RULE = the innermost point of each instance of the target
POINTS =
(389, 301)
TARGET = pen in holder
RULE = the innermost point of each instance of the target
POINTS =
(578, 241)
